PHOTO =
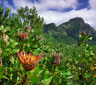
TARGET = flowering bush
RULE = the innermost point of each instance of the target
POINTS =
(23, 44)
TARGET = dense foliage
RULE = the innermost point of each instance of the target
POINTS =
(30, 57)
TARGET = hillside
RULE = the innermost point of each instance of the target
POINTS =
(70, 30)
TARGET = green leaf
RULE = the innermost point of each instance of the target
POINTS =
(4, 54)
(1, 70)
(1, 27)
(13, 43)
(26, 48)
(1, 76)
(14, 76)
(33, 79)
(12, 60)
(32, 30)
(90, 38)
(1, 41)
(36, 70)
(47, 81)
(36, 52)
(68, 75)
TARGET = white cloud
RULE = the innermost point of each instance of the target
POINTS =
(44, 5)
(92, 4)
(58, 17)
(22, 3)
(18, 4)
(56, 4)
(6, 4)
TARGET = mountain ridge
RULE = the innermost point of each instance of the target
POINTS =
(70, 30)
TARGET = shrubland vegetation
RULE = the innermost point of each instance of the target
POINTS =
(30, 56)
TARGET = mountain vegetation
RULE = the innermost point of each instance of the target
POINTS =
(70, 30)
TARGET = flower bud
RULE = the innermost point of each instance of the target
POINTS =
(27, 28)
(56, 59)
(5, 38)
(41, 39)
(22, 36)
(83, 33)
(0, 61)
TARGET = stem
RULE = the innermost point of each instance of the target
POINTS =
(25, 79)
(81, 78)
(22, 46)
(51, 83)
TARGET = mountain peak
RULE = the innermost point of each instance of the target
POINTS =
(79, 19)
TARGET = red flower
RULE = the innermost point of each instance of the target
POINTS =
(28, 61)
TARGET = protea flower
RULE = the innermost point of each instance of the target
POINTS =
(28, 61)
(83, 33)
(27, 28)
(56, 59)
(22, 36)
(5, 38)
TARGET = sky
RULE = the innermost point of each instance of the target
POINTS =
(58, 11)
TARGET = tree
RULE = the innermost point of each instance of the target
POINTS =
(30, 17)
(4, 15)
